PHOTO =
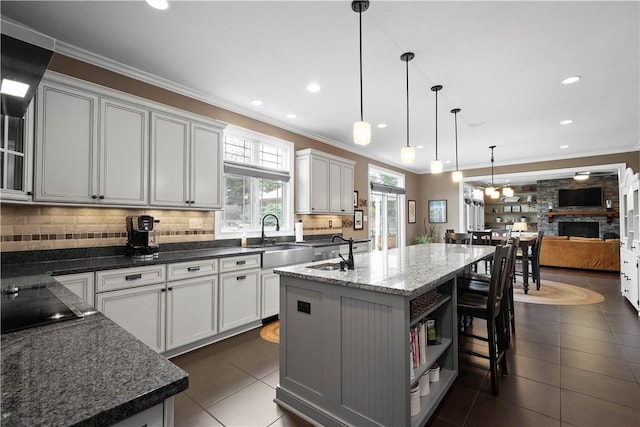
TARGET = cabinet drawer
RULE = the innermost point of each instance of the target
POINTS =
(239, 263)
(109, 280)
(184, 270)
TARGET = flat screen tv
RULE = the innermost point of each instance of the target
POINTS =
(580, 197)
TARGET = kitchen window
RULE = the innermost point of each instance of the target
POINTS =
(257, 181)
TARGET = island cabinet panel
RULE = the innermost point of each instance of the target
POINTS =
(345, 355)
(344, 352)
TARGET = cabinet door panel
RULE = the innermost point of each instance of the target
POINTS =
(346, 188)
(239, 299)
(66, 144)
(169, 161)
(81, 284)
(123, 153)
(270, 293)
(206, 155)
(319, 188)
(191, 310)
(141, 311)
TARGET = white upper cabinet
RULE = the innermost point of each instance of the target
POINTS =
(66, 145)
(16, 156)
(99, 146)
(89, 150)
(123, 142)
(324, 183)
(341, 187)
(186, 163)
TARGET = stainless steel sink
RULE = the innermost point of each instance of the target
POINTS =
(282, 255)
(327, 266)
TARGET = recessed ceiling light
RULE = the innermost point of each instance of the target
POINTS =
(564, 146)
(158, 4)
(382, 125)
(571, 79)
(313, 87)
(566, 122)
(256, 102)
(476, 124)
(14, 88)
(291, 116)
(420, 146)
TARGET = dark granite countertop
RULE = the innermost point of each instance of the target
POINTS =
(84, 372)
(84, 265)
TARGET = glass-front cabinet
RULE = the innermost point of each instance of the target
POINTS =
(16, 140)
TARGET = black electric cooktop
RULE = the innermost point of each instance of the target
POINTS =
(29, 307)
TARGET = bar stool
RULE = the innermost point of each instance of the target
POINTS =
(491, 309)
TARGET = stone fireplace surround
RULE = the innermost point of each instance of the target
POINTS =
(578, 229)
(548, 193)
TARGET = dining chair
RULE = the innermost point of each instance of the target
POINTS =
(489, 307)
(534, 259)
(481, 238)
(458, 238)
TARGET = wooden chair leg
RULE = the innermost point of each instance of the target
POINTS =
(493, 356)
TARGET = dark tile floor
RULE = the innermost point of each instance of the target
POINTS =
(568, 366)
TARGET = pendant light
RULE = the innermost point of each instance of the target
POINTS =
(508, 191)
(491, 191)
(361, 129)
(408, 153)
(456, 176)
(436, 165)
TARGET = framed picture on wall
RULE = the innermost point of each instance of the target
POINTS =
(412, 212)
(358, 223)
(506, 209)
(355, 199)
(437, 211)
(515, 208)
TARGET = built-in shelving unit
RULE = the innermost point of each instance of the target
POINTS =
(630, 238)
(522, 207)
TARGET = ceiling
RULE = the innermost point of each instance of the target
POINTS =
(500, 62)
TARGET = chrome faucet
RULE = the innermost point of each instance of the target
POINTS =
(264, 237)
(349, 261)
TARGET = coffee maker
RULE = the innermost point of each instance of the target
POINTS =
(142, 237)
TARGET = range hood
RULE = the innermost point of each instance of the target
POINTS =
(25, 55)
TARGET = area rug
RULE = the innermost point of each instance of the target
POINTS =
(556, 293)
(271, 332)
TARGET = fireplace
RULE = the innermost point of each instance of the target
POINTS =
(579, 229)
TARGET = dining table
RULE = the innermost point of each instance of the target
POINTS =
(525, 243)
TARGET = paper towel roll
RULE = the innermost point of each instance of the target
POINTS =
(298, 229)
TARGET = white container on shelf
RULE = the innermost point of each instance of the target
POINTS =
(434, 373)
(415, 401)
(424, 383)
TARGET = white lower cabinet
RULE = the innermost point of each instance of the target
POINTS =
(239, 298)
(270, 293)
(630, 277)
(191, 310)
(81, 284)
(140, 310)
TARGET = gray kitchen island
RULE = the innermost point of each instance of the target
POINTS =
(345, 342)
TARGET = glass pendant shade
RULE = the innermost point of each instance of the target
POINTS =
(507, 192)
(489, 191)
(362, 133)
(495, 194)
(436, 166)
(408, 154)
(456, 176)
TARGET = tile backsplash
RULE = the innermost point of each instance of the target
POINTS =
(26, 227)
(34, 227)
